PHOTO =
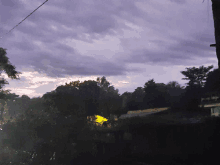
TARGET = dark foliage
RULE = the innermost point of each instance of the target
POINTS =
(213, 81)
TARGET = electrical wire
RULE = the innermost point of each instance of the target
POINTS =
(25, 18)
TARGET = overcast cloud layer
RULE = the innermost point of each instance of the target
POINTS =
(128, 41)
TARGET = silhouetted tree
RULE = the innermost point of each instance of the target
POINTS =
(163, 95)
(39, 134)
(174, 85)
(135, 100)
(90, 92)
(65, 101)
(175, 91)
(17, 105)
(126, 97)
(156, 95)
(195, 86)
(196, 76)
(213, 81)
(110, 101)
(138, 98)
(6, 66)
(150, 95)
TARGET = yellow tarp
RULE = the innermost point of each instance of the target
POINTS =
(100, 119)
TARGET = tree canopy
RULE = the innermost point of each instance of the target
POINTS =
(196, 76)
(57, 120)
(9, 69)
(195, 86)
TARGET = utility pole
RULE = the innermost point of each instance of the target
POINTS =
(216, 18)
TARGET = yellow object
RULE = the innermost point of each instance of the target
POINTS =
(100, 119)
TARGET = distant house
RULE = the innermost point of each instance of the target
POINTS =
(142, 112)
(210, 96)
(211, 100)
(215, 111)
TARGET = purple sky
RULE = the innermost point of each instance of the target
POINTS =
(127, 41)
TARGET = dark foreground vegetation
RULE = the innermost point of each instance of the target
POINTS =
(153, 139)
(54, 130)
(161, 140)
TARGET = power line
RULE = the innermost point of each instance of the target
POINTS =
(25, 18)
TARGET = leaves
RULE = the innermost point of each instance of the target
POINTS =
(196, 76)
(173, 84)
(213, 81)
(110, 101)
(76, 99)
(156, 95)
(6, 65)
(195, 86)
(150, 87)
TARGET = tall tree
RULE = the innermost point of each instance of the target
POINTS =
(65, 101)
(74, 98)
(150, 96)
(45, 129)
(163, 95)
(195, 86)
(39, 135)
(196, 76)
(173, 84)
(156, 95)
(150, 86)
(103, 83)
(18, 105)
(175, 91)
(9, 69)
(126, 98)
(136, 100)
(138, 94)
(90, 92)
(110, 101)
(7, 66)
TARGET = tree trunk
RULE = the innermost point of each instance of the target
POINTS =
(216, 17)
(2, 102)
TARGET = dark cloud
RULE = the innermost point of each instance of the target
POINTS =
(24, 44)
(97, 23)
(188, 47)
(175, 31)
(95, 18)
(179, 53)
(8, 3)
(10, 11)
(92, 18)
(61, 65)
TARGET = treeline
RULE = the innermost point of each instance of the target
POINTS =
(53, 129)
(54, 122)
(99, 97)
(202, 83)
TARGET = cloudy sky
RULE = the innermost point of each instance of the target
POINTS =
(127, 41)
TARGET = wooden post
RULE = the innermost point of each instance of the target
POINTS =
(216, 17)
